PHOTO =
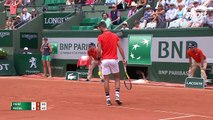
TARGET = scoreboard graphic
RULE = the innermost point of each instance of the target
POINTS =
(29, 106)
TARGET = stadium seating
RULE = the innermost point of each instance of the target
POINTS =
(151, 25)
(142, 25)
(90, 21)
(174, 24)
(53, 5)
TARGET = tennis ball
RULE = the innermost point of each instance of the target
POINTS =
(99, 73)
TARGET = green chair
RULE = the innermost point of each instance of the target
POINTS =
(75, 27)
(90, 27)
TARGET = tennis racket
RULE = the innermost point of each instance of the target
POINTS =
(127, 81)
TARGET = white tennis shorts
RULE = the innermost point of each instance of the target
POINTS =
(109, 66)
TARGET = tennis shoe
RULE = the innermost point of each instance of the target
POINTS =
(108, 103)
(102, 81)
(118, 101)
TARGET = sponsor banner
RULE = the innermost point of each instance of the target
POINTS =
(74, 48)
(82, 72)
(29, 40)
(139, 47)
(174, 49)
(28, 63)
(6, 38)
(70, 48)
(168, 72)
(6, 68)
(174, 72)
(50, 20)
(72, 75)
(193, 82)
(164, 49)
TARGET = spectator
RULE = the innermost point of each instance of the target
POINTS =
(125, 26)
(7, 3)
(33, 13)
(209, 18)
(26, 51)
(9, 24)
(159, 17)
(197, 19)
(147, 17)
(110, 2)
(89, 2)
(115, 15)
(133, 9)
(180, 2)
(190, 3)
(171, 13)
(180, 11)
(70, 2)
(25, 16)
(106, 19)
(128, 2)
(141, 3)
(32, 2)
(187, 17)
(162, 2)
(168, 2)
(13, 7)
(25, 3)
(207, 3)
(136, 25)
(19, 2)
(122, 4)
(195, 6)
(17, 22)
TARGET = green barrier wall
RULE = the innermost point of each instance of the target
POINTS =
(2, 6)
(6, 67)
(2, 20)
(158, 34)
(6, 38)
(29, 35)
(72, 21)
(50, 20)
(28, 63)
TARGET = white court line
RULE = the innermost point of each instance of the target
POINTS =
(177, 113)
(180, 117)
(185, 114)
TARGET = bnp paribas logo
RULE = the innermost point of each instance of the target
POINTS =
(54, 46)
(4, 34)
(30, 36)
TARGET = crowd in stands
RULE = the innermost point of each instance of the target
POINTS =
(174, 14)
(19, 3)
(16, 19)
(166, 13)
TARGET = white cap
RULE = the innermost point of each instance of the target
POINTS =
(148, 6)
(196, 1)
(210, 9)
(133, 4)
(25, 48)
(125, 23)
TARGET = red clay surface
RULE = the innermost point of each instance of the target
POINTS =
(71, 100)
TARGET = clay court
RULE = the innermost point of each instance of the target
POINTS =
(79, 100)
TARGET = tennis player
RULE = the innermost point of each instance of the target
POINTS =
(108, 43)
(93, 54)
(199, 61)
(46, 50)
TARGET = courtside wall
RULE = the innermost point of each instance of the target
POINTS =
(171, 67)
